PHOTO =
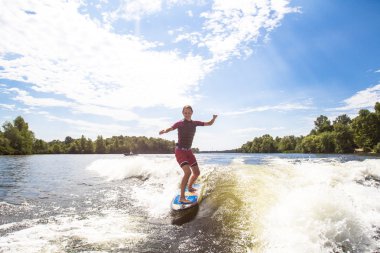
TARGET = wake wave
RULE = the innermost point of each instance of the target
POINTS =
(251, 203)
(138, 167)
(63, 234)
(160, 180)
(323, 208)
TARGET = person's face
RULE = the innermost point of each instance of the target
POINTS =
(187, 113)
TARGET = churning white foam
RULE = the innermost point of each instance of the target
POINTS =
(112, 229)
(138, 166)
(160, 177)
(324, 207)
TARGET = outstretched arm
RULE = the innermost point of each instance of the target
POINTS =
(211, 121)
(164, 131)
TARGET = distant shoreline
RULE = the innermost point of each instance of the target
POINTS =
(359, 136)
(209, 152)
(237, 152)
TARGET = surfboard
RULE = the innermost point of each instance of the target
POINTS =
(195, 198)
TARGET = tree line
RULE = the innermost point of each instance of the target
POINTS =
(17, 139)
(343, 135)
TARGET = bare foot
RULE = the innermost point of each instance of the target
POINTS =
(191, 189)
(185, 201)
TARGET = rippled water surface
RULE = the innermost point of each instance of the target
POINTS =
(252, 203)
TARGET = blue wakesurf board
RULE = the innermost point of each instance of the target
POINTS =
(195, 198)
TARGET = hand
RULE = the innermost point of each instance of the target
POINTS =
(214, 116)
(162, 132)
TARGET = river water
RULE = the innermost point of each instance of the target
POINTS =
(252, 203)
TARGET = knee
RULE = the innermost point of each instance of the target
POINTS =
(186, 170)
(195, 171)
(187, 173)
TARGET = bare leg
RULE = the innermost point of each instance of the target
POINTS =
(194, 176)
(185, 179)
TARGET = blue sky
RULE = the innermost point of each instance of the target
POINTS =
(127, 67)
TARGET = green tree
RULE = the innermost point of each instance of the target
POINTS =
(263, 144)
(20, 138)
(313, 132)
(322, 124)
(56, 149)
(326, 142)
(246, 148)
(68, 140)
(256, 145)
(343, 120)
(377, 148)
(366, 129)
(377, 113)
(89, 147)
(377, 108)
(311, 144)
(17, 139)
(74, 148)
(344, 138)
(5, 147)
(14, 137)
(299, 140)
(82, 144)
(287, 143)
(267, 144)
(40, 147)
(100, 145)
(114, 146)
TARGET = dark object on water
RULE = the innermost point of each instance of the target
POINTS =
(129, 154)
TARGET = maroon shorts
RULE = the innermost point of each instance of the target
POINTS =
(185, 157)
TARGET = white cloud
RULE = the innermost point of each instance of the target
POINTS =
(193, 38)
(68, 54)
(60, 51)
(248, 130)
(91, 129)
(280, 107)
(24, 97)
(136, 9)
(277, 128)
(253, 130)
(364, 99)
(171, 3)
(230, 26)
(8, 106)
(114, 113)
